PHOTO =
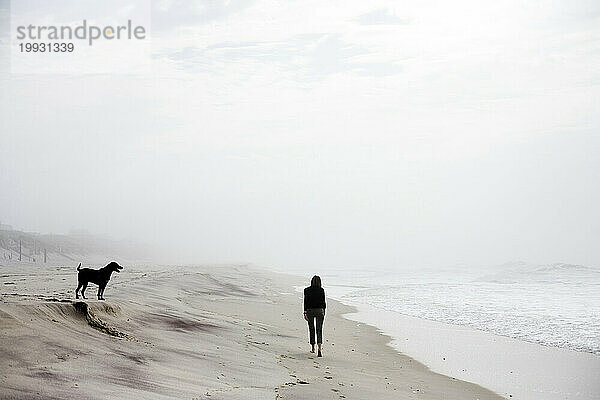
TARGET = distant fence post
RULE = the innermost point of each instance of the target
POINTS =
(19, 249)
(45, 256)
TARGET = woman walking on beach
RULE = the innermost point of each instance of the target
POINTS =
(314, 309)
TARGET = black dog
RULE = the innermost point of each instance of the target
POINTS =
(98, 276)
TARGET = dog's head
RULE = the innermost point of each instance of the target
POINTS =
(113, 266)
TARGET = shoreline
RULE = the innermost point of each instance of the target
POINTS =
(510, 367)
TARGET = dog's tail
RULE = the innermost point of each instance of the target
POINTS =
(79, 267)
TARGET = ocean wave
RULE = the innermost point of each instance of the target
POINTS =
(553, 305)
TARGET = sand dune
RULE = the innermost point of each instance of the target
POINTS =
(193, 333)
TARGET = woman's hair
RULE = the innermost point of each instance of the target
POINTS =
(315, 281)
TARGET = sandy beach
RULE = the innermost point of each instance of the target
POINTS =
(209, 332)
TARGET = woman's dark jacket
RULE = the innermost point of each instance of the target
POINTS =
(314, 297)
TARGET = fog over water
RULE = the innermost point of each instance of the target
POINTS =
(354, 134)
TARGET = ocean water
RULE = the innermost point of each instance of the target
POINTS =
(553, 305)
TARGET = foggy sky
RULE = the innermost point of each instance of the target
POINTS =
(350, 133)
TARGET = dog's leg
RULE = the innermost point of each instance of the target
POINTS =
(83, 290)
(101, 292)
(77, 291)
